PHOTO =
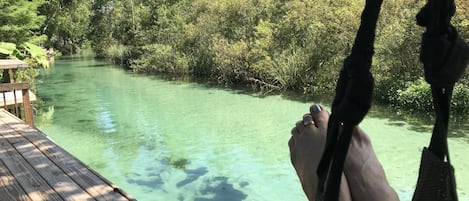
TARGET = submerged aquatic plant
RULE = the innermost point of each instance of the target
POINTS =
(180, 163)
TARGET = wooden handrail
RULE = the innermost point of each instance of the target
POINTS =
(24, 87)
(13, 86)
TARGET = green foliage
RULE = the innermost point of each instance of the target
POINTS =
(117, 53)
(20, 22)
(283, 45)
(35, 55)
(10, 50)
(416, 97)
(27, 75)
(387, 90)
(289, 72)
(461, 19)
(20, 29)
(460, 100)
(66, 24)
(161, 58)
(7, 48)
(279, 45)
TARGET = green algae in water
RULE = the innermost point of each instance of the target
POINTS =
(180, 163)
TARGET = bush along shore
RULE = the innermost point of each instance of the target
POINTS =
(276, 46)
(290, 45)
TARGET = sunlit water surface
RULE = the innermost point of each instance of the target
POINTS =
(174, 140)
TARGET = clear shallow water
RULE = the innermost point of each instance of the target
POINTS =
(172, 140)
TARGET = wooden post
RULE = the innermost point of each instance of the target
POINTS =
(28, 111)
(17, 109)
(4, 100)
(12, 75)
(12, 80)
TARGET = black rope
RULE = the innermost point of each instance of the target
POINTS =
(445, 57)
(441, 101)
(351, 104)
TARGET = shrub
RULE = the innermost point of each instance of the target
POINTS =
(416, 97)
(386, 90)
(460, 101)
(158, 58)
(117, 53)
(290, 71)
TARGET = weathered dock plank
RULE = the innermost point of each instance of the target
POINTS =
(84, 176)
(32, 183)
(10, 189)
(65, 177)
(60, 182)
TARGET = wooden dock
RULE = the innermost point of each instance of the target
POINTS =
(34, 168)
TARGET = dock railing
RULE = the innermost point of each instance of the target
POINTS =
(13, 95)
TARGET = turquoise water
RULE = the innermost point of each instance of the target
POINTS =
(173, 140)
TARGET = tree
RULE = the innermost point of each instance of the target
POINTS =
(19, 21)
(112, 28)
(67, 24)
(19, 32)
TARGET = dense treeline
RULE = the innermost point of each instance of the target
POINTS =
(281, 45)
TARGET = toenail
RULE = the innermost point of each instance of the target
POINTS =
(316, 108)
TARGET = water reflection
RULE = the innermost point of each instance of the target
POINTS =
(105, 122)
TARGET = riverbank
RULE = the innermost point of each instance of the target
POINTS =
(275, 46)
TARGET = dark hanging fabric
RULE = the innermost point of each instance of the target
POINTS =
(443, 53)
(445, 57)
(351, 103)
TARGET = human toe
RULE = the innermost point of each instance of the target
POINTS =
(308, 120)
(319, 115)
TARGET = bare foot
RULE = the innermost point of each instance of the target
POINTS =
(363, 178)
(364, 172)
(306, 147)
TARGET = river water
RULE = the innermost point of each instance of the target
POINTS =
(174, 140)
